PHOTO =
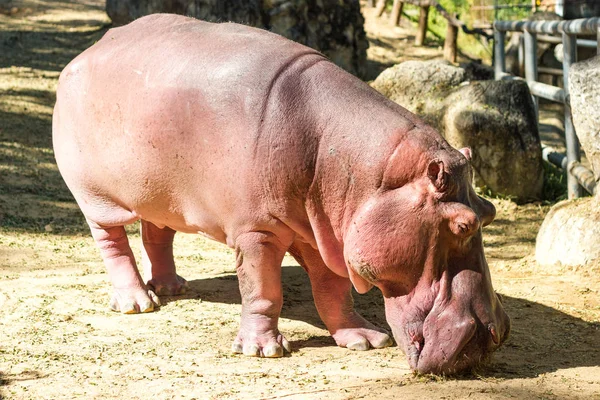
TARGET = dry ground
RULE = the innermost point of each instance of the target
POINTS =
(58, 339)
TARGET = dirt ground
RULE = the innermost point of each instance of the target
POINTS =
(59, 340)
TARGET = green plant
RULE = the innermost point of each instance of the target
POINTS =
(555, 185)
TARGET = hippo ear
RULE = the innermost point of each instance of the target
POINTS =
(439, 178)
(467, 153)
(361, 285)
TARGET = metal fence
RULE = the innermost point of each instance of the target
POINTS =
(578, 176)
(485, 12)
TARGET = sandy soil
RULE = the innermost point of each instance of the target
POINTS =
(59, 340)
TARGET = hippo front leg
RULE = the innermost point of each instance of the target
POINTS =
(258, 261)
(333, 298)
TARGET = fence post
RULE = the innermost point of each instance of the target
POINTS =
(531, 62)
(423, 14)
(450, 42)
(396, 12)
(499, 59)
(569, 57)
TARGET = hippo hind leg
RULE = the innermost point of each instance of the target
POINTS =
(158, 262)
(333, 298)
(130, 294)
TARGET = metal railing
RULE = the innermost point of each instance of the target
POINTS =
(577, 174)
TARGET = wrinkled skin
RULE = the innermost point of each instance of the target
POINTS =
(264, 145)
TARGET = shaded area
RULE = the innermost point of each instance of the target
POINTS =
(540, 335)
(36, 44)
(298, 300)
(498, 243)
(50, 50)
(511, 236)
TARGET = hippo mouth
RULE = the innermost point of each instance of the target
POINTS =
(433, 358)
(422, 360)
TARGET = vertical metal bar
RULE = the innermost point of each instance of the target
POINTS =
(521, 55)
(569, 57)
(598, 41)
(531, 62)
(499, 59)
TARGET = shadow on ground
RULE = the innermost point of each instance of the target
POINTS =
(34, 49)
(48, 51)
(27, 375)
(539, 333)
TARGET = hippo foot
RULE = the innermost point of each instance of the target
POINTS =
(360, 334)
(263, 345)
(133, 301)
(174, 286)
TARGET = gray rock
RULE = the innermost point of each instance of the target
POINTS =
(334, 27)
(496, 119)
(584, 88)
(420, 86)
(570, 235)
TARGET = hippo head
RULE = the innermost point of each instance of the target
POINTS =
(419, 241)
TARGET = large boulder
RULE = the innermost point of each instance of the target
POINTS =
(334, 27)
(585, 106)
(496, 119)
(570, 235)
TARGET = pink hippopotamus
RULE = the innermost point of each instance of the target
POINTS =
(265, 145)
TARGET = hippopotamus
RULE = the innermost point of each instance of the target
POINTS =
(265, 145)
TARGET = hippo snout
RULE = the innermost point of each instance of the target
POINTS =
(454, 344)
(452, 338)
(472, 346)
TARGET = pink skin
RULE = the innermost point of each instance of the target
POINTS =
(264, 145)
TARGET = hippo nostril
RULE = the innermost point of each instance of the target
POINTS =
(494, 333)
(418, 345)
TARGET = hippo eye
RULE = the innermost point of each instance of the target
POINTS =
(462, 220)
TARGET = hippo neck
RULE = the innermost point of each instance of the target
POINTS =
(361, 131)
